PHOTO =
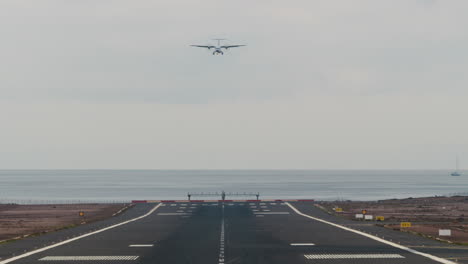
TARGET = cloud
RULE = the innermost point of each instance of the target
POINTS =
(319, 81)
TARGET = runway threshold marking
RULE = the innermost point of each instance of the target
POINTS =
(141, 245)
(27, 254)
(432, 257)
(83, 258)
(272, 213)
(166, 214)
(353, 256)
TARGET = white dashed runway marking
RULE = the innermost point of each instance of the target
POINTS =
(273, 213)
(354, 256)
(82, 258)
(141, 245)
(221, 258)
(302, 244)
(173, 214)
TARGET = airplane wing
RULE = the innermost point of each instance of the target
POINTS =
(231, 46)
(203, 46)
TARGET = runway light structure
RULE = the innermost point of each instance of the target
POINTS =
(223, 194)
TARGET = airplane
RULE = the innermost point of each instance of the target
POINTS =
(218, 48)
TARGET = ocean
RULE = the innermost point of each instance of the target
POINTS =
(33, 186)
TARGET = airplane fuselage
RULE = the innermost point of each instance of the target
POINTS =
(218, 51)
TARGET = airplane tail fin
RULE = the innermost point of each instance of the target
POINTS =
(219, 41)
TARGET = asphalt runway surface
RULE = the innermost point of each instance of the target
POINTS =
(221, 233)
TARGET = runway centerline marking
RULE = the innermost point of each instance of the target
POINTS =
(27, 254)
(435, 258)
(84, 258)
(221, 239)
(141, 245)
(302, 244)
(353, 256)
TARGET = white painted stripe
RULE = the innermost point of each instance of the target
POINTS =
(82, 258)
(302, 244)
(141, 245)
(273, 213)
(221, 258)
(170, 214)
(435, 258)
(78, 237)
(354, 256)
(259, 216)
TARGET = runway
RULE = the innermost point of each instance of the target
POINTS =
(222, 233)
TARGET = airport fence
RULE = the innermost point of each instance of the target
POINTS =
(35, 201)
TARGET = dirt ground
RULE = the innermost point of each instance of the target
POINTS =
(427, 215)
(17, 221)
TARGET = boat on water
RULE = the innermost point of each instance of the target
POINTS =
(456, 172)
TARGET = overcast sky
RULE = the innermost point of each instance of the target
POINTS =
(322, 84)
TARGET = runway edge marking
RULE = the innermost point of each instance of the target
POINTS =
(435, 258)
(27, 254)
